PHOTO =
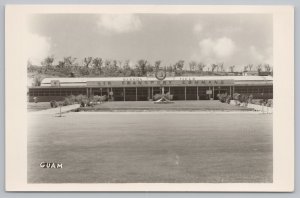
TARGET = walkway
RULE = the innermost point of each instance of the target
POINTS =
(57, 110)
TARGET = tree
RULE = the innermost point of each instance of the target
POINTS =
(221, 67)
(97, 65)
(126, 64)
(61, 64)
(201, 66)
(30, 66)
(259, 67)
(250, 67)
(267, 67)
(37, 81)
(67, 65)
(141, 67)
(127, 71)
(213, 67)
(232, 68)
(69, 61)
(48, 61)
(157, 64)
(87, 61)
(169, 68)
(111, 68)
(149, 68)
(107, 63)
(192, 65)
(178, 67)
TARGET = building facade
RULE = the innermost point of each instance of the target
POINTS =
(144, 88)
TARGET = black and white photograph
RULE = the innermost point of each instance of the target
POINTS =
(149, 97)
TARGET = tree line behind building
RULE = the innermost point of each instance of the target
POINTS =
(98, 67)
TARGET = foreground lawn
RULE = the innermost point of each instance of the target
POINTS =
(150, 147)
(31, 106)
(201, 105)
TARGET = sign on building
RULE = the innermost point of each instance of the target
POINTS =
(139, 82)
(55, 83)
(208, 91)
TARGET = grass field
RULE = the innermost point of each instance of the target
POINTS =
(201, 105)
(151, 147)
(31, 106)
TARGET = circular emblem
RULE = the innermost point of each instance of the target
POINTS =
(160, 74)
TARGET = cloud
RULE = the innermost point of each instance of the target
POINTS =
(120, 23)
(224, 47)
(198, 28)
(35, 47)
(261, 56)
(212, 50)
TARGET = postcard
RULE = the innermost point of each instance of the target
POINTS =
(149, 98)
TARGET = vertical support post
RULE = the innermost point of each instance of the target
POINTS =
(163, 90)
(124, 93)
(107, 89)
(136, 96)
(233, 91)
(213, 93)
(148, 93)
(152, 93)
(87, 92)
(184, 93)
(230, 91)
(101, 91)
(197, 93)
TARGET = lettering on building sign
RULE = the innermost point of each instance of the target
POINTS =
(132, 82)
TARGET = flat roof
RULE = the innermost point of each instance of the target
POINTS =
(84, 80)
(72, 82)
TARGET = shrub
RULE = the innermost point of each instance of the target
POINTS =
(72, 98)
(82, 104)
(228, 98)
(236, 96)
(261, 102)
(270, 103)
(250, 98)
(96, 98)
(222, 97)
(80, 98)
(99, 98)
(103, 98)
(53, 104)
(67, 101)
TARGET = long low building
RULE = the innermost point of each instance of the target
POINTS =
(144, 88)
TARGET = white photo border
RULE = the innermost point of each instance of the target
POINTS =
(283, 116)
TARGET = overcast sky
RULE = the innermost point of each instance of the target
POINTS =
(232, 39)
